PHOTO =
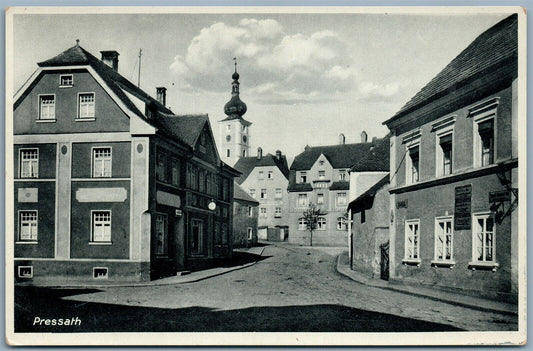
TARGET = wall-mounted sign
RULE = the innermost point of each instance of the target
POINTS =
(164, 198)
(178, 213)
(28, 195)
(401, 204)
(101, 194)
(499, 196)
(463, 204)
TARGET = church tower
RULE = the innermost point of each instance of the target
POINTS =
(234, 130)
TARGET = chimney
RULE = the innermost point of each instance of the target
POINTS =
(259, 153)
(364, 136)
(278, 155)
(110, 58)
(161, 95)
(342, 139)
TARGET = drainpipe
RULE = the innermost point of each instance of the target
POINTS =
(350, 246)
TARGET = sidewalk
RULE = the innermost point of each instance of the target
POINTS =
(177, 279)
(480, 304)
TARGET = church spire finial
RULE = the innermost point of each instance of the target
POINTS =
(235, 61)
(235, 107)
(77, 42)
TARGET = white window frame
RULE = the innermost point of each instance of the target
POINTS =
(270, 175)
(32, 224)
(339, 197)
(164, 217)
(88, 116)
(48, 117)
(263, 212)
(93, 163)
(343, 175)
(478, 145)
(441, 240)
(61, 76)
(302, 223)
(252, 193)
(484, 262)
(302, 177)
(321, 175)
(250, 233)
(279, 193)
(196, 222)
(342, 224)
(228, 127)
(304, 203)
(277, 212)
(321, 223)
(110, 225)
(319, 199)
(439, 155)
(250, 211)
(411, 244)
(34, 164)
(409, 163)
(228, 153)
(480, 113)
(263, 194)
(261, 175)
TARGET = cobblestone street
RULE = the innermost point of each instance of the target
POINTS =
(292, 289)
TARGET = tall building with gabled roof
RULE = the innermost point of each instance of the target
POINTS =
(108, 182)
(234, 130)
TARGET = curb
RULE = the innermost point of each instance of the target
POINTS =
(386, 286)
(152, 283)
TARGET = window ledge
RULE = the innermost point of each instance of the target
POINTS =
(411, 262)
(66, 86)
(483, 265)
(27, 242)
(100, 243)
(442, 263)
(88, 119)
(46, 121)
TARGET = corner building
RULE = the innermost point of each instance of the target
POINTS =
(454, 173)
(109, 183)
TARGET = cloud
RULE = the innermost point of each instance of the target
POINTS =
(372, 92)
(275, 67)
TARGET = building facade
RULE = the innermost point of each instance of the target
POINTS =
(109, 183)
(245, 218)
(265, 179)
(320, 176)
(234, 130)
(455, 183)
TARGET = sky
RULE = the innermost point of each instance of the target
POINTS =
(305, 78)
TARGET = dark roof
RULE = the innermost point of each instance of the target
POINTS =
(300, 187)
(233, 117)
(494, 46)
(245, 165)
(340, 156)
(240, 194)
(369, 193)
(186, 128)
(377, 159)
(340, 185)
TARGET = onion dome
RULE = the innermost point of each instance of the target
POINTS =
(235, 108)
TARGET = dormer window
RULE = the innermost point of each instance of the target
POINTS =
(66, 80)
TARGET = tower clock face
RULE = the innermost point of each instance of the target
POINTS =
(228, 137)
(244, 138)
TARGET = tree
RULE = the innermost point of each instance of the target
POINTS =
(311, 218)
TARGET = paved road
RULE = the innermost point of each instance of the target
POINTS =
(291, 289)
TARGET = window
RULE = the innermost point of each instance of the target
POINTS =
(261, 175)
(228, 138)
(412, 237)
(303, 177)
(250, 233)
(483, 238)
(243, 153)
(321, 162)
(201, 181)
(86, 105)
(228, 152)
(101, 226)
(321, 223)
(244, 129)
(485, 143)
(101, 162)
(228, 127)
(341, 199)
(224, 233)
(66, 80)
(263, 193)
(302, 200)
(443, 239)
(320, 199)
(278, 212)
(341, 223)
(194, 178)
(270, 175)
(47, 107)
(29, 163)
(444, 155)
(413, 161)
(27, 226)
(161, 232)
(250, 211)
(161, 168)
(263, 212)
(175, 172)
(252, 193)
(321, 175)
(279, 193)
(342, 175)
(197, 234)
(302, 224)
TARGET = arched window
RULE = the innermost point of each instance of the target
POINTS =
(341, 223)
(302, 224)
(243, 153)
(321, 223)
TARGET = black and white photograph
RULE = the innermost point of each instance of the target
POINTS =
(265, 176)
